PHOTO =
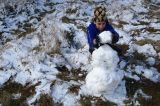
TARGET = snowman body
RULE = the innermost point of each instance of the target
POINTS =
(104, 77)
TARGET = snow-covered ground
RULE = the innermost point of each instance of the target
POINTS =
(40, 37)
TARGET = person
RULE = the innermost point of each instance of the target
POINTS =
(99, 24)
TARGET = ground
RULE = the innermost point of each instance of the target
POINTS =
(44, 56)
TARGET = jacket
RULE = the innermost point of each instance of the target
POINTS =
(92, 33)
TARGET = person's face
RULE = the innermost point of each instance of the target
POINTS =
(100, 25)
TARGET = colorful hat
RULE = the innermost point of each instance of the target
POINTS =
(100, 14)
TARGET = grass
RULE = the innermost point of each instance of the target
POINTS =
(43, 14)
(64, 73)
(65, 19)
(120, 24)
(152, 30)
(124, 48)
(135, 58)
(148, 87)
(88, 101)
(45, 100)
(69, 36)
(157, 65)
(10, 88)
(54, 51)
(74, 89)
(71, 11)
(28, 29)
(141, 23)
(67, 75)
(82, 28)
(156, 44)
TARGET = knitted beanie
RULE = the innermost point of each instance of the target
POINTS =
(100, 14)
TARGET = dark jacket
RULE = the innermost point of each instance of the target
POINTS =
(92, 33)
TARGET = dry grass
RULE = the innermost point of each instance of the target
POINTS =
(156, 44)
(119, 25)
(67, 75)
(27, 27)
(65, 19)
(48, 40)
(86, 101)
(45, 100)
(124, 48)
(74, 89)
(149, 87)
(71, 11)
(11, 88)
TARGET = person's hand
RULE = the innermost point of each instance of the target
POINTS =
(94, 41)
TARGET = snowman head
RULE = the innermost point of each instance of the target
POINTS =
(105, 37)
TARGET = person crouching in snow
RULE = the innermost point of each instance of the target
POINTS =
(99, 24)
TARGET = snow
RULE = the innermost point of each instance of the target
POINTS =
(105, 57)
(124, 37)
(139, 92)
(98, 81)
(151, 61)
(31, 58)
(159, 55)
(105, 37)
(104, 78)
(156, 25)
(146, 49)
(122, 64)
(16, 96)
(155, 1)
(59, 93)
(149, 73)
(119, 95)
(23, 77)
(4, 76)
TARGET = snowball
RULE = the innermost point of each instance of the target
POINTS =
(105, 37)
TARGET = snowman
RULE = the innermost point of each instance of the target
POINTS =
(104, 77)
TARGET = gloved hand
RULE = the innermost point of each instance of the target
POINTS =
(96, 43)
(115, 38)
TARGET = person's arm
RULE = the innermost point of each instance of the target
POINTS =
(90, 37)
(115, 34)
